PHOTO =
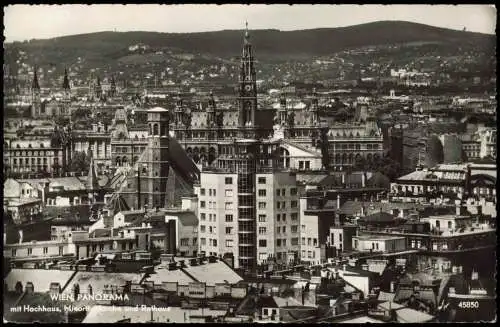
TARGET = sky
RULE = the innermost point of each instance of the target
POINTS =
(25, 22)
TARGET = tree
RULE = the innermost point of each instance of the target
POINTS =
(80, 162)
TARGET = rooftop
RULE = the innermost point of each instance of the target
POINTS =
(41, 278)
(105, 314)
(214, 273)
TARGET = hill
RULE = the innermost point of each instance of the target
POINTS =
(227, 43)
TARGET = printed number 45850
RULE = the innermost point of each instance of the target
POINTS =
(469, 305)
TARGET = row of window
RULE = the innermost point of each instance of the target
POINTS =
(45, 251)
(211, 192)
(211, 217)
(351, 146)
(211, 241)
(211, 229)
(185, 241)
(310, 241)
(29, 146)
(31, 153)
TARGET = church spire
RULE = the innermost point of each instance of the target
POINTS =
(35, 85)
(66, 86)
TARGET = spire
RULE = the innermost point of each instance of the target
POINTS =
(66, 80)
(247, 36)
(35, 85)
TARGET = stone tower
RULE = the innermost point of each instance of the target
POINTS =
(157, 158)
(36, 102)
(247, 91)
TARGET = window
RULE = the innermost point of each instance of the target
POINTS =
(303, 241)
(262, 218)
(376, 246)
(284, 229)
(284, 217)
(228, 206)
(215, 242)
(45, 250)
(202, 191)
(229, 193)
(228, 230)
(278, 217)
(340, 237)
(283, 205)
(202, 204)
(303, 228)
(203, 241)
(294, 216)
(293, 191)
(301, 164)
(14, 252)
(203, 216)
(293, 204)
(262, 230)
(295, 241)
(278, 192)
(278, 242)
(215, 217)
(284, 242)
(184, 241)
(262, 180)
(202, 228)
(229, 243)
(213, 192)
(315, 242)
(309, 241)
(295, 228)
(449, 225)
(278, 205)
(308, 165)
(229, 218)
(229, 180)
(262, 205)
(262, 192)
(30, 251)
(210, 229)
(309, 254)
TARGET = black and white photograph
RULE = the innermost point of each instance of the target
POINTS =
(258, 163)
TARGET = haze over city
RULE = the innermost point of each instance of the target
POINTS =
(54, 21)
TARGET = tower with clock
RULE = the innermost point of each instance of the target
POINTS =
(247, 91)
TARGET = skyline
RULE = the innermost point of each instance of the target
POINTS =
(73, 19)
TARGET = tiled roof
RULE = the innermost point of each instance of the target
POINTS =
(214, 273)
(76, 213)
(41, 278)
(378, 217)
